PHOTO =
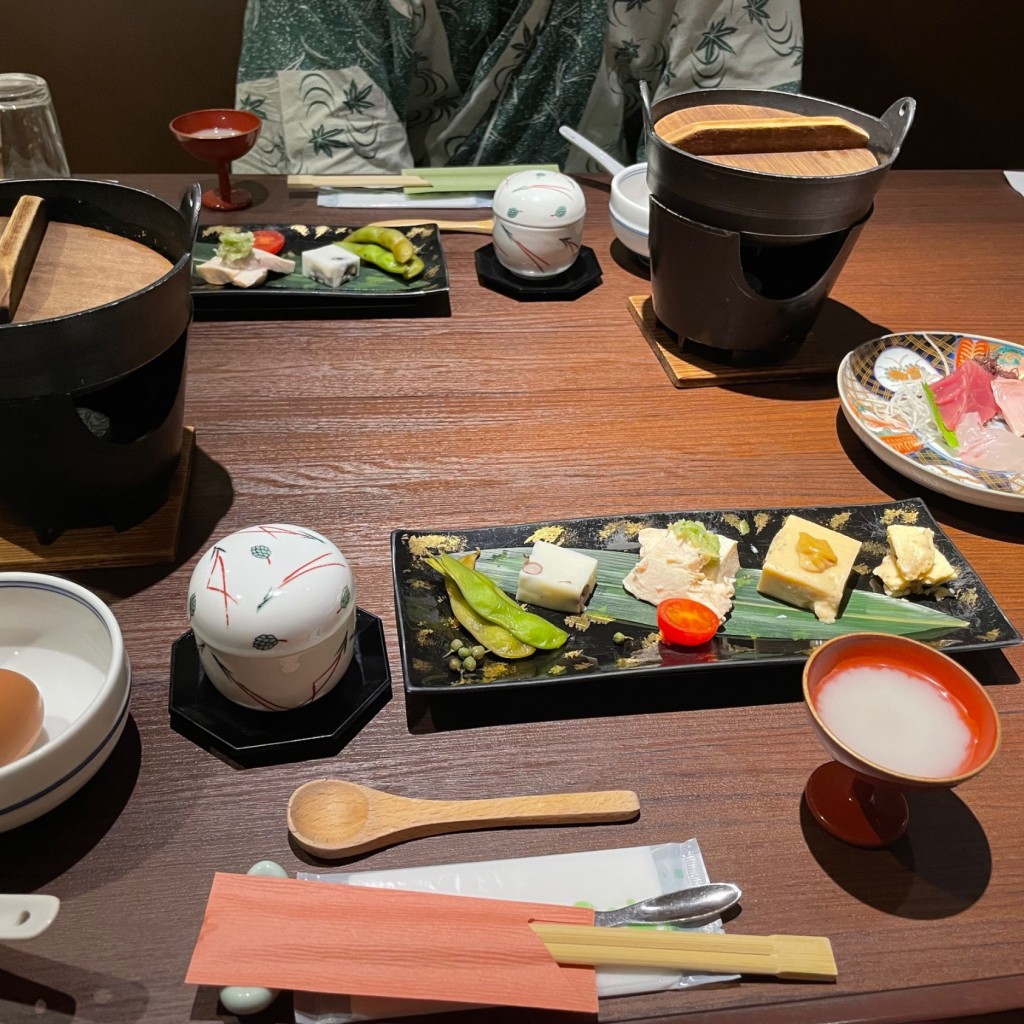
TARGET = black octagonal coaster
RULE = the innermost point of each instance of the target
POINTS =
(579, 279)
(201, 713)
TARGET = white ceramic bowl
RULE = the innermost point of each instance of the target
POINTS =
(67, 641)
(630, 196)
(273, 609)
(538, 223)
(631, 235)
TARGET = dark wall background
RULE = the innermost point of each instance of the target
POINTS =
(120, 70)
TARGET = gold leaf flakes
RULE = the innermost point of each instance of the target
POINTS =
(551, 534)
(580, 622)
(839, 520)
(628, 527)
(431, 543)
(761, 520)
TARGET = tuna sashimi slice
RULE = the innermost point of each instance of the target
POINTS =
(967, 389)
(1009, 395)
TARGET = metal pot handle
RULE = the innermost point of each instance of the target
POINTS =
(645, 106)
(191, 206)
(898, 119)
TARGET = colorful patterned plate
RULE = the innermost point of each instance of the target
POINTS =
(867, 376)
(373, 293)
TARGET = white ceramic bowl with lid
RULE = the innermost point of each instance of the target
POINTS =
(538, 223)
(67, 642)
(273, 610)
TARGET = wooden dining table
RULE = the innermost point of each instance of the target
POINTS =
(508, 412)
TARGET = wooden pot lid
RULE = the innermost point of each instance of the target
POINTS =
(743, 136)
(53, 269)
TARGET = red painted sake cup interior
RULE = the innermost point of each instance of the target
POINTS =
(903, 653)
(220, 148)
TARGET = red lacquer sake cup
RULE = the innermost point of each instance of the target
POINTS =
(862, 802)
(218, 137)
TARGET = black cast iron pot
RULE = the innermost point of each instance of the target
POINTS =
(92, 403)
(774, 205)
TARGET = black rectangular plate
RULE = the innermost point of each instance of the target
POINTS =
(374, 293)
(425, 624)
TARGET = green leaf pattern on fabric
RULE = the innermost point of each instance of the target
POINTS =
(367, 86)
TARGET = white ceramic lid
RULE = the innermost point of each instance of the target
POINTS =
(539, 199)
(275, 589)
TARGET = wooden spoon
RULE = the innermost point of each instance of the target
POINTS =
(332, 818)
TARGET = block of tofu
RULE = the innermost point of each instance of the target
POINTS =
(331, 265)
(807, 566)
(913, 563)
(671, 567)
(557, 578)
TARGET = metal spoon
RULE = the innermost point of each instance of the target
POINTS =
(25, 917)
(606, 160)
(332, 818)
(698, 903)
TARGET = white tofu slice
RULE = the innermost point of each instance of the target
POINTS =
(557, 578)
(331, 265)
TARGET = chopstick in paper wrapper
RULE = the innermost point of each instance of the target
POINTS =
(290, 934)
(417, 180)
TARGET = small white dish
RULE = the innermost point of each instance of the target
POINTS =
(866, 379)
(273, 609)
(66, 641)
(538, 223)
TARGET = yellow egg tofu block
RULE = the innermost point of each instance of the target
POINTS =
(807, 566)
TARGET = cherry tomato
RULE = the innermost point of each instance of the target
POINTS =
(267, 240)
(685, 622)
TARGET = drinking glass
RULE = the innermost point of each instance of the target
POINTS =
(30, 142)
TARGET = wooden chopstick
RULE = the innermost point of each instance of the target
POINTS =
(314, 182)
(19, 245)
(793, 957)
(469, 227)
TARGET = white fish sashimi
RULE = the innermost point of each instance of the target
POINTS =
(989, 447)
(1009, 395)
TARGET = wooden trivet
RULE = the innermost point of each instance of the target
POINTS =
(152, 542)
(687, 368)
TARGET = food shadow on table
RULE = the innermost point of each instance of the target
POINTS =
(80, 822)
(25, 994)
(605, 698)
(939, 868)
(209, 498)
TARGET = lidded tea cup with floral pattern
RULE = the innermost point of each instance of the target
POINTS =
(538, 223)
(273, 610)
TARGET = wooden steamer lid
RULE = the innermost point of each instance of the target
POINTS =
(52, 269)
(768, 140)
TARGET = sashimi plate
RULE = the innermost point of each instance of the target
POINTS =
(962, 617)
(867, 379)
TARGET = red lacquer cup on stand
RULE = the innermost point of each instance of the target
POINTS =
(856, 799)
(218, 137)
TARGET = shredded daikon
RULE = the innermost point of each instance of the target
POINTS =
(909, 406)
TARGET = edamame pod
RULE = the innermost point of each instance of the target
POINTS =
(495, 638)
(490, 602)
(390, 238)
(368, 252)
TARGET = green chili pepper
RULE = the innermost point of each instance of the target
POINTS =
(488, 600)
(495, 638)
(390, 238)
(384, 258)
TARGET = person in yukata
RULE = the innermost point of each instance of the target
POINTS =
(375, 87)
